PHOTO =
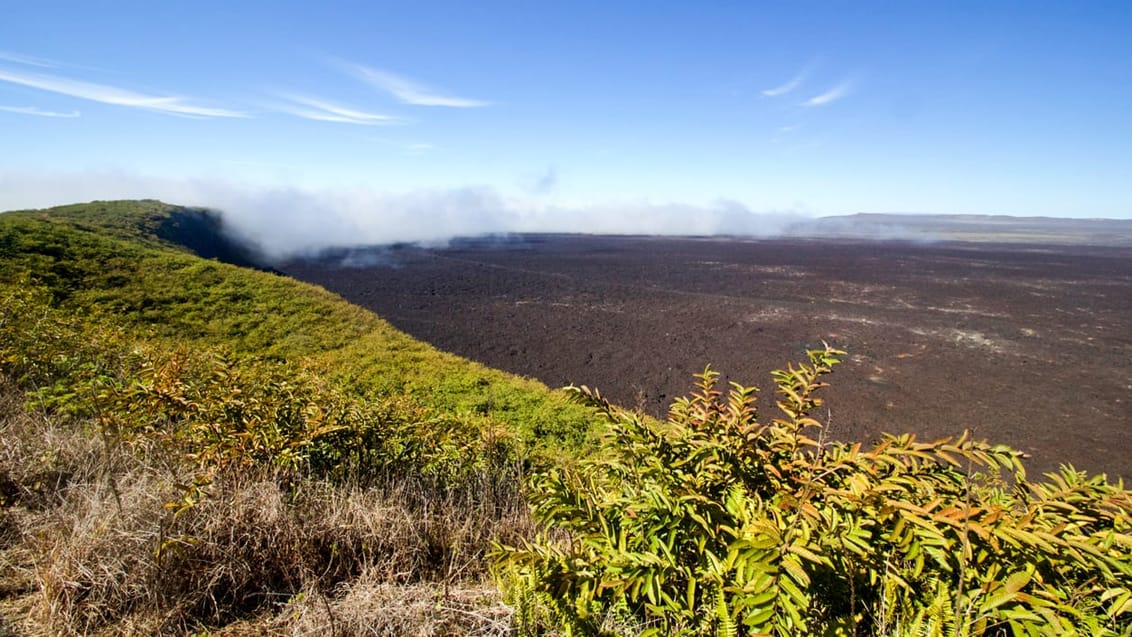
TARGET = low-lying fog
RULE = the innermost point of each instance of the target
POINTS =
(286, 222)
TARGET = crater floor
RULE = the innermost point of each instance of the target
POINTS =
(1029, 345)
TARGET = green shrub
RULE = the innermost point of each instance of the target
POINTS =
(205, 440)
(715, 523)
(107, 263)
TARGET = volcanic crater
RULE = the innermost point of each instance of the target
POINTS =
(1024, 344)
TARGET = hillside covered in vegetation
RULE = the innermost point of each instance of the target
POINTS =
(191, 444)
(164, 387)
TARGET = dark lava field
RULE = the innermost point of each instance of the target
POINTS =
(1029, 345)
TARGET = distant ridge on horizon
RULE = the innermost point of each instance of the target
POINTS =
(969, 227)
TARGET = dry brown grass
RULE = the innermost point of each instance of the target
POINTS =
(87, 547)
(369, 607)
(39, 457)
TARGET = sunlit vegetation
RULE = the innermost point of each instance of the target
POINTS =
(207, 443)
(101, 266)
(191, 446)
(716, 522)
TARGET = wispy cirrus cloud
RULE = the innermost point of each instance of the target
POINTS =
(321, 110)
(834, 94)
(31, 110)
(28, 60)
(172, 105)
(790, 85)
(409, 91)
(410, 148)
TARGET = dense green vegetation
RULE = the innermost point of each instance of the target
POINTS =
(190, 446)
(107, 260)
(717, 523)
(180, 385)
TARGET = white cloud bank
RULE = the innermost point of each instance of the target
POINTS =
(291, 221)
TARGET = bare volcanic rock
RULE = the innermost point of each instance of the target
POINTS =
(1029, 345)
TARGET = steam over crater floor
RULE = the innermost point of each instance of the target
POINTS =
(1029, 345)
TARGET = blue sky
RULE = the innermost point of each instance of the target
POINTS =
(787, 108)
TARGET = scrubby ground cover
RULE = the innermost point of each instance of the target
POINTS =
(191, 447)
(720, 521)
(89, 544)
(107, 261)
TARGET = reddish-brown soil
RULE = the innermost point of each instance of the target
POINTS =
(1027, 345)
